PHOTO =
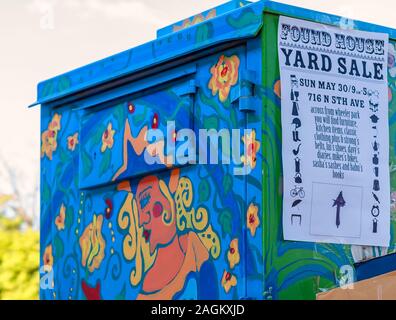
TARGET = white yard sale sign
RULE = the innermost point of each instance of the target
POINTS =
(335, 134)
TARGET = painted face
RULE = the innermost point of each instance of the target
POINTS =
(154, 209)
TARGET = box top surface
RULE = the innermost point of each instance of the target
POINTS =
(229, 22)
(201, 17)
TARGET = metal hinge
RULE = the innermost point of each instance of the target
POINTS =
(244, 92)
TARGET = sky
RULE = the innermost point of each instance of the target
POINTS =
(40, 39)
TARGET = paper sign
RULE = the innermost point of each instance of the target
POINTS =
(335, 134)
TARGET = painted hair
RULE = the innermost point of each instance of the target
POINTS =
(188, 219)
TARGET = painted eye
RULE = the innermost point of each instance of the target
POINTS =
(145, 200)
(157, 210)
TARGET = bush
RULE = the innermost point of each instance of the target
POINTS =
(19, 261)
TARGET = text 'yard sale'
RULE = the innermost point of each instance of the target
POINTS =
(335, 134)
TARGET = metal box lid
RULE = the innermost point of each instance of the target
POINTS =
(202, 17)
(234, 21)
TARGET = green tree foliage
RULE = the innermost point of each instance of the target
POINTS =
(19, 261)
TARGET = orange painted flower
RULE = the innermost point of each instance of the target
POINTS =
(108, 138)
(48, 144)
(224, 76)
(252, 147)
(195, 20)
(277, 89)
(72, 142)
(252, 219)
(233, 254)
(186, 23)
(198, 19)
(55, 123)
(228, 281)
(93, 245)
(60, 220)
(48, 258)
(49, 137)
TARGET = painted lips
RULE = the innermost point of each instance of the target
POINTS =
(146, 235)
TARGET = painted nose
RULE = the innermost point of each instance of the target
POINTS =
(144, 218)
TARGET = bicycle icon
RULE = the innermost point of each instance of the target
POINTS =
(297, 191)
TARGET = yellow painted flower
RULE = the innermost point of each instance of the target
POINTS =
(224, 75)
(72, 142)
(48, 258)
(93, 245)
(252, 219)
(252, 147)
(108, 138)
(49, 137)
(55, 123)
(228, 281)
(60, 220)
(233, 254)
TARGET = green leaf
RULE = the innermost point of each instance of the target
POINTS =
(87, 163)
(139, 118)
(59, 247)
(46, 191)
(120, 115)
(227, 183)
(211, 122)
(203, 32)
(48, 89)
(69, 218)
(64, 157)
(246, 19)
(105, 164)
(64, 83)
(203, 190)
(225, 221)
(96, 137)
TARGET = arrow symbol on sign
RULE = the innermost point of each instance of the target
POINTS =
(339, 203)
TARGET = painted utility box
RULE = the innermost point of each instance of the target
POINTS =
(115, 226)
